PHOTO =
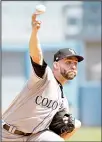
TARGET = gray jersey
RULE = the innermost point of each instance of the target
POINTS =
(34, 107)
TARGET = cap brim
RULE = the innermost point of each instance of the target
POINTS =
(80, 58)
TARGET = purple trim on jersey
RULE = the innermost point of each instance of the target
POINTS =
(61, 87)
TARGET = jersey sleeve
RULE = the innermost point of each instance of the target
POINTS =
(39, 69)
(38, 73)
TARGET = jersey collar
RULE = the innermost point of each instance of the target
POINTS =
(61, 87)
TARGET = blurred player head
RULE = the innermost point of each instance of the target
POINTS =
(65, 63)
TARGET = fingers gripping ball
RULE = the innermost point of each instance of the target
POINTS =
(40, 9)
(62, 123)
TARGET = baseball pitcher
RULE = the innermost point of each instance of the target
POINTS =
(40, 112)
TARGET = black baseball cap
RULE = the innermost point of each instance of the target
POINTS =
(65, 53)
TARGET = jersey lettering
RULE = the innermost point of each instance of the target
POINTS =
(49, 104)
(46, 102)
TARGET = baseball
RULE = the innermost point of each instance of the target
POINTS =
(40, 9)
(77, 123)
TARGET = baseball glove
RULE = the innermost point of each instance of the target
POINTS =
(62, 123)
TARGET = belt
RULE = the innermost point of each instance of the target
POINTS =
(7, 127)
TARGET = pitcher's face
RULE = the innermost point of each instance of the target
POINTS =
(68, 67)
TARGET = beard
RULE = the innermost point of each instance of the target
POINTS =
(68, 75)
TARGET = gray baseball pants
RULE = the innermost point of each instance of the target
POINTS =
(45, 135)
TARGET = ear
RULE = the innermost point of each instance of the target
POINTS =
(56, 65)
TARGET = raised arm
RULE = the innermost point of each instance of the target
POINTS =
(34, 43)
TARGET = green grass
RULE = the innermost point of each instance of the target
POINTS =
(87, 134)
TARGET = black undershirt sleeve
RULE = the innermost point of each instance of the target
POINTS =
(39, 69)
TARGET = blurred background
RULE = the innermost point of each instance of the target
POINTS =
(73, 24)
